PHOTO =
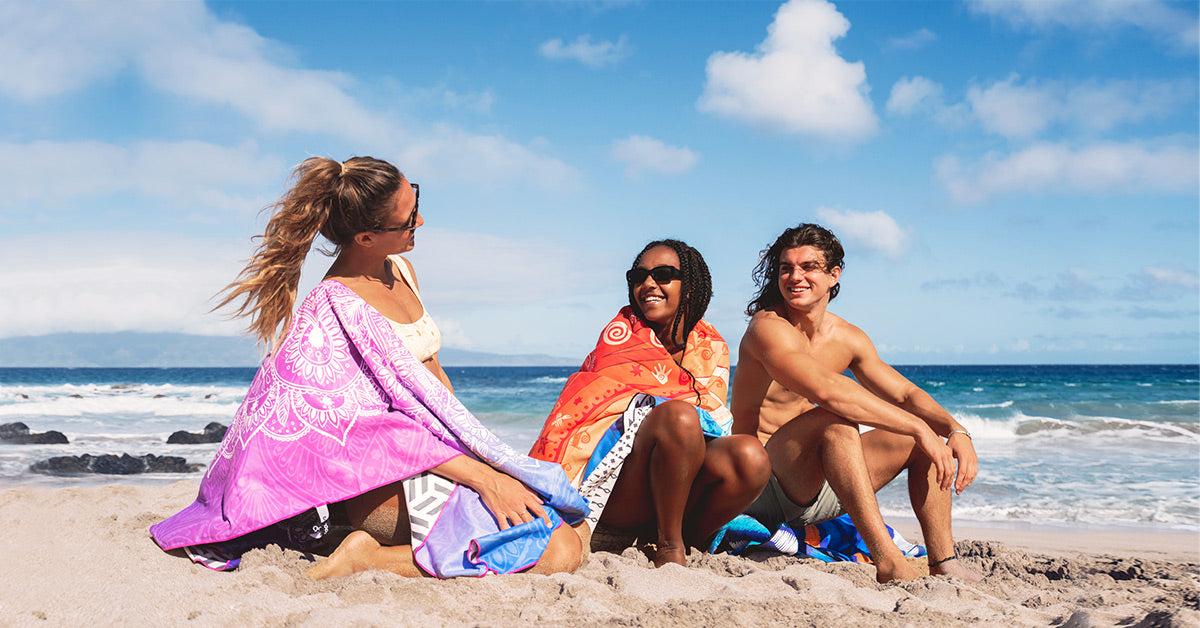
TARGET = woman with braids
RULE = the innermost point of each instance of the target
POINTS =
(641, 428)
(351, 409)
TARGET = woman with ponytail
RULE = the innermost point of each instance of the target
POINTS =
(642, 428)
(351, 410)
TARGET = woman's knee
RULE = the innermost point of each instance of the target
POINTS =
(563, 553)
(743, 458)
(675, 420)
(382, 513)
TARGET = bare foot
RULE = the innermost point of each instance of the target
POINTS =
(897, 571)
(670, 554)
(955, 569)
(352, 556)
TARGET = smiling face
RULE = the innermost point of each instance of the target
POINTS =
(659, 302)
(804, 281)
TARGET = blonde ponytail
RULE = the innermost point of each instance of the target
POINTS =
(334, 199)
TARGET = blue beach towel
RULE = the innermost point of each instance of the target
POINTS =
(833, 540)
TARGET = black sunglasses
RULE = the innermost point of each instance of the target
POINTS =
(412, 220)
(661, 274)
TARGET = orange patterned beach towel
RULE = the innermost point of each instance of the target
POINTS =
(629, 359)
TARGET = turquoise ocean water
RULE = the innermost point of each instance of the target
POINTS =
(1100, 446)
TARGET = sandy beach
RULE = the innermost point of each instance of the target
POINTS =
(83, 556)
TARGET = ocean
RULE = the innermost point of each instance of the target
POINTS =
(1099, 446)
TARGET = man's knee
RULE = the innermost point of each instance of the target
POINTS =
(839, 431)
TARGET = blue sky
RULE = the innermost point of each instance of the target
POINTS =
(1015, 182)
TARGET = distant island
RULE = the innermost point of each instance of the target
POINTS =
(136, 349)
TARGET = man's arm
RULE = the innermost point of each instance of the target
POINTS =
(777, 346)
(884, 381)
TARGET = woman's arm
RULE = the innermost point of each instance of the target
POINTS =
(509, 500)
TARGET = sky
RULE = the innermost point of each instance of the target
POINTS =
(1015, 182)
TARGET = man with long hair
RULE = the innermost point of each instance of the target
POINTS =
(789, 391)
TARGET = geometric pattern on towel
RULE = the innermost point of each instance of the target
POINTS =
(426, 494)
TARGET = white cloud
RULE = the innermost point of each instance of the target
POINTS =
(1011, 110)
(874, 231)
(910, 95)
(184, 50)
(479, 102)
(453, 334)
(1021, 111)
(594, 55)
(1174, 25)
(1173, 277)
(115, 281)
(645, 154)
(1161, 282)
(795, 82)
(452, 154)
(181, 49)
(911, 41)
(460, 268)
(191, 175)
(51, 49)
(1104, 167)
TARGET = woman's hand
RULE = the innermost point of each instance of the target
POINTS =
(510, 501)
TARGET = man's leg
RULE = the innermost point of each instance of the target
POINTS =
(819, 446)
(887, 454)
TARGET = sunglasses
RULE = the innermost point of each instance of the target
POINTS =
(412, 220)
(660, 274)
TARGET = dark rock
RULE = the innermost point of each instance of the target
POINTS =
(213, 433)
(18, 434)
(109, 464)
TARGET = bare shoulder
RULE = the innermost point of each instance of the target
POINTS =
(850, 336)
(768, 325)
(408, 267)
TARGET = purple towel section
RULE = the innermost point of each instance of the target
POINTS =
(341, 408)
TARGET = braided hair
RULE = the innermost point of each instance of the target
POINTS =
(695, 291)
(766, 273)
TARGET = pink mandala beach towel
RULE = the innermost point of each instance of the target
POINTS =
(340, 408)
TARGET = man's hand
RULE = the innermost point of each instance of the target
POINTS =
(941, 456)
(968, 463)
(510, 501)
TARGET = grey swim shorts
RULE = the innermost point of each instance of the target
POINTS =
(773, 507)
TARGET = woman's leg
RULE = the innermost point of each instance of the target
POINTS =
(736, 468)
(563, 554)
(360, 552)
(656, 479)
(382, 538)
(382, 513)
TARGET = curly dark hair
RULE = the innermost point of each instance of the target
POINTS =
(766, 273)
(695, 291)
